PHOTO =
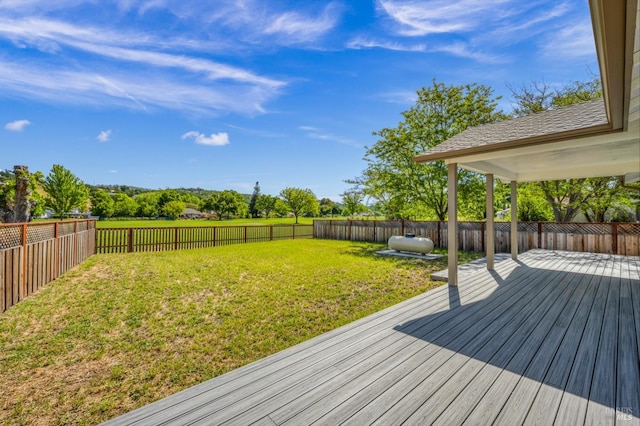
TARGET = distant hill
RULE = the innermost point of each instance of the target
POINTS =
(135, 190)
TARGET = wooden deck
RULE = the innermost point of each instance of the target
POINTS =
(551, 338)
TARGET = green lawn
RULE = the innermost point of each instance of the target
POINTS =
(123, 330)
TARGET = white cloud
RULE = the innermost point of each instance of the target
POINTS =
(418, 18)
(113, 171)
(215, 139)
(573, 41)
(132, 90)
(315, 133)
(105, 76)
(464, 50)
(104, 135)
(363, 43)
(17, 125)
(294, 27)
(401, 97)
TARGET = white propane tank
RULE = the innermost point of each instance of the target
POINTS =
(411, 243)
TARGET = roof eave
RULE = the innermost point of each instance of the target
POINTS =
(614, 48)
(518, 143)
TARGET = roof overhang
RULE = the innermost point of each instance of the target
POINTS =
(601, 154)
(610, 148)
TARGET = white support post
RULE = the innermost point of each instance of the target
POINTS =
(514, 220)
(490, 228)
(452, 227)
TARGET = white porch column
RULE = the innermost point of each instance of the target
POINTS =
(490, 228)
(452, 227)
(514, 220)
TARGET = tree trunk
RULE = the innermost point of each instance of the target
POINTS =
(22, 206)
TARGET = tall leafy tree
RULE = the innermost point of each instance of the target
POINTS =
(266, 204)
(300, 201)
(226, 203)
(440, 112)
(173, 209)
(102, 204)
(328, 207)
(253, 210)
(124, 206)
(352, 200)
(148, 204)
(65, 191)
(607, 195)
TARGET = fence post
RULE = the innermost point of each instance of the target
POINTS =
(130, 241)
(402, 227)
(614, 234)
(350, 225)
(56, 247)
(439, 238)
(294, 231)
(482, 229)
(23, 286)
(175, 238)
(271, 233)
(375, 236)
(75, 242)
(539, 235)
(214, 235)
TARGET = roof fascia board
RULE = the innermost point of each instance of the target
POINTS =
(609, 20)
(493, 149)
(580, 143)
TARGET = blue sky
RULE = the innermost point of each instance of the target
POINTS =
(220, 94)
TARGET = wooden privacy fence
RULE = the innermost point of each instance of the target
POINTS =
(34, 254)
(611, 238)
(127, 240)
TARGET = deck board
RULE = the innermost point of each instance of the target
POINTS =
(550, 338)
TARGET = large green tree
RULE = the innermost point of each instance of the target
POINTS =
(124, 206)
(300, 201)
(409, 189)
(352, 200)
(65, 191)
(148, 204)
(102, 204)
(226, 203)
(266, 204)
(173, 209)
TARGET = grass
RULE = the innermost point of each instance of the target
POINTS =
(121, 331)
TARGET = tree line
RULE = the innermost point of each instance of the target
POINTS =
(25, 195)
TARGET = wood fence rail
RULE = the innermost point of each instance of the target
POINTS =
(34, 254)
(611, 238)
(128, 240)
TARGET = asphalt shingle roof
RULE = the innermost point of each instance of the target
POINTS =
(544, 124)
